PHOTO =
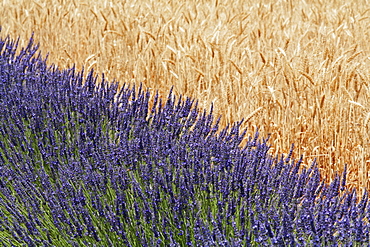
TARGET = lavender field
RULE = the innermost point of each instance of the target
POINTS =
(85, 163)
(297, 71)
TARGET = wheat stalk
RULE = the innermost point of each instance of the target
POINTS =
(253, 113)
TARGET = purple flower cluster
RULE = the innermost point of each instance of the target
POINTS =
(85, 163)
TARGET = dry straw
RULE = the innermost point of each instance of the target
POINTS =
(304, 62)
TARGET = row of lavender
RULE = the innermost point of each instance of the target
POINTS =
(85, 163)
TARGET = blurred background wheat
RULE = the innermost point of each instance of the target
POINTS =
(298, 70)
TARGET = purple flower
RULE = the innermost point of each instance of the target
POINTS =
(80, 157)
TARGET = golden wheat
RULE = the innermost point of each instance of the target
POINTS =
(303, 62)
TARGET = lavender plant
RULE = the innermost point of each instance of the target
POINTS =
(83, 163)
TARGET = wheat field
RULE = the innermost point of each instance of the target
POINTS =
(297, 70)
